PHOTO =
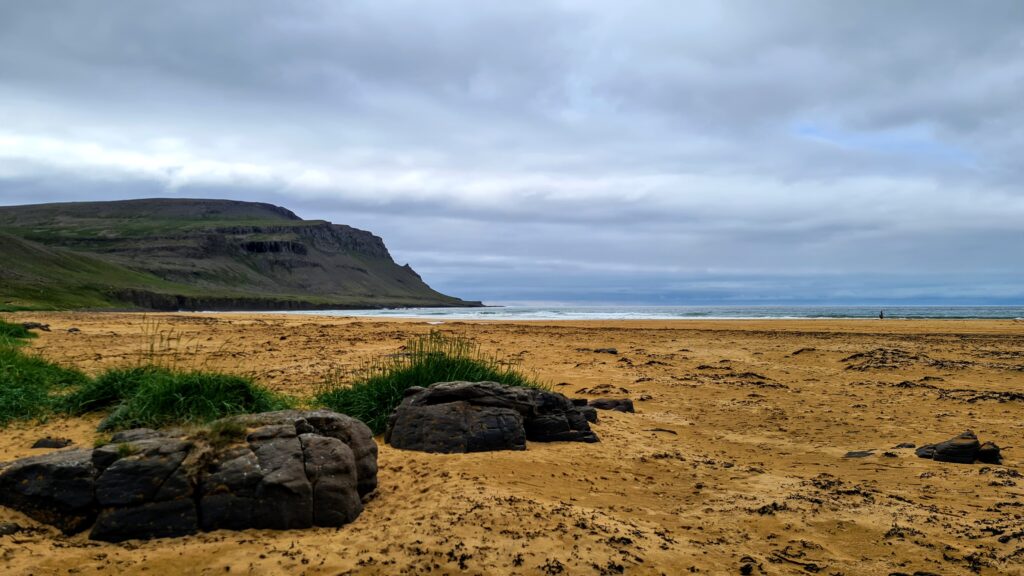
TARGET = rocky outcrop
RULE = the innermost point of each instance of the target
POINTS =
(451, 417)
(962, 449)
(277, 470)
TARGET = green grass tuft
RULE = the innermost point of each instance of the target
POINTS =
(378, 388)
(10, 331)
(154, 396)
(108, 389)
(29, 386)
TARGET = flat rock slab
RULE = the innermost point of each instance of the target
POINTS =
(454, 417)
(962, 449)
(277, 470)
(52, 443)
(613, 404)
(35, 326)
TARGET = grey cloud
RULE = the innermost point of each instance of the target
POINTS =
(553, 147)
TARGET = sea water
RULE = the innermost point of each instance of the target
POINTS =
(681, 312)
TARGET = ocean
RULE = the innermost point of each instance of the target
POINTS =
(682, 312)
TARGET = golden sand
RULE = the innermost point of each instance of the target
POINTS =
(735, 455)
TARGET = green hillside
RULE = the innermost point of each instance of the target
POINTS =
(169, 254)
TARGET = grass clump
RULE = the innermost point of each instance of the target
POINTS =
(108, 389)
(11, 330)
(379, 387)
(30, 386)
(154, 396)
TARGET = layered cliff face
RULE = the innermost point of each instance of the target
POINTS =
(196, 254)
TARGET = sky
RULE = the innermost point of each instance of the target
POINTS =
(718, 152)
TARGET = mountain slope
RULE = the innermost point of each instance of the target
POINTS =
(196, 254)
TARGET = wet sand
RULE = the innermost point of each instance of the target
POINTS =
(734, 458)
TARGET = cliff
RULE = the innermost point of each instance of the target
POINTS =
(171, 254)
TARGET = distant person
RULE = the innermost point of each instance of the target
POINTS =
(881, 314)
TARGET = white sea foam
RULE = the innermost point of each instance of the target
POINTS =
(680, 312)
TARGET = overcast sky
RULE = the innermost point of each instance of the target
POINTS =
(657, 152)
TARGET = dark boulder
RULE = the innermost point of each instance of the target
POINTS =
(281, 470)
(52, 443)
(35, 326)
(55, 488)
(295, 470)
(452, 417)
(456, 427)
(613, 404)
(962, 449)
(350, 431)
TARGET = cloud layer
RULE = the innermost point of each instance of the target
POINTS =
(577, 151)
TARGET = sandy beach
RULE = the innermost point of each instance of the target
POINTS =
(735, 458)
